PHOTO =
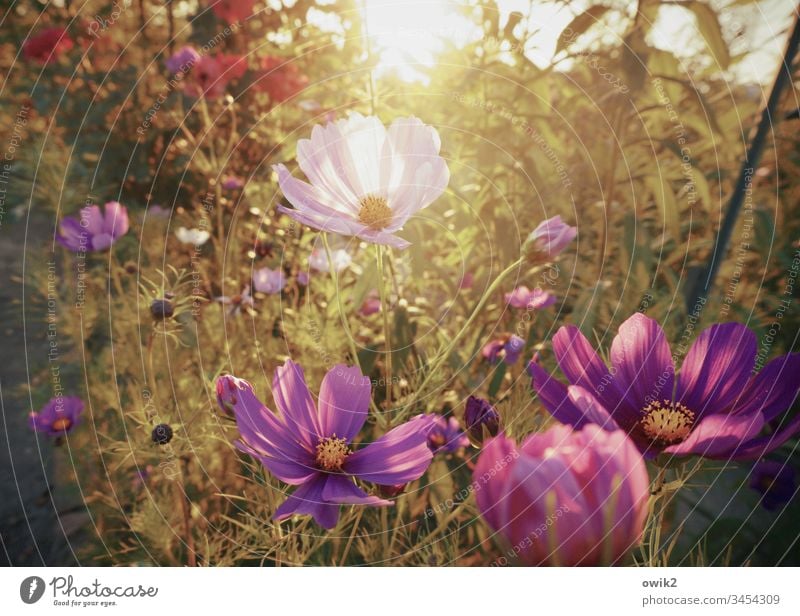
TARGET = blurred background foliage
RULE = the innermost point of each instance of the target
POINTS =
(634, 141)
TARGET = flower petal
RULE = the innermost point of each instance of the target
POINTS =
(307, 500)
(718, 434)
(344, 401)
(340, 489)
(761, 446)
(642, 362)
(399, 456)
(583, 367)
(263, 436)
(717, 368)
(555, 397)
(296, 404)
(773, 390)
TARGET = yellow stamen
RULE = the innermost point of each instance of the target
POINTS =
(375, 212)
(666, 423)
(331, 453)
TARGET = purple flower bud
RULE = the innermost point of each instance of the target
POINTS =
(481, 416)
(161, 309)
(551, 237)
(775, 481)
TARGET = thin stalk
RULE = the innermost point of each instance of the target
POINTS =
(347, 547)
(387, 332)
(656, 515)
(445, 353)
(337, 290)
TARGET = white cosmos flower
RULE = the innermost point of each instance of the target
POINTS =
(365, 180)
(192, 236)
(318, 259)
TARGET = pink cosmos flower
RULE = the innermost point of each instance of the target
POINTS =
(269, 281)
(366, 181)
(92, 230)
(47, 46)
(564, 497)
(531, 299)
(312, 445)
(552, 236)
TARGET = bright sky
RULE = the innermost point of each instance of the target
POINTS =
(410, 32)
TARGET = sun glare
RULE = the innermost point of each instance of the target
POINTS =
(408, 35)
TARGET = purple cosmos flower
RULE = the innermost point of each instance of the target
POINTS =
(444, 434)
(551, 237)
(775, 481)
(507, 347)
(303, 278)
(713, 408)
(564, 497)
(311, 445)
(232, 183)
(269, 281)
(92, 230)
(59, 416)
(530, 299)
(366, 180)
(480, 417)
(182, 60)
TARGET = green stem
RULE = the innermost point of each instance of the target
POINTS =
(387, 332)
(445, 353)
(337, 290)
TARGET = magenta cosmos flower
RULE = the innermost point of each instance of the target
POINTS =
(366, 180)
(564, 497)
(92, 230)
(58, 416)
(311, 445)
(530, 299)
(713, 408)
(232, 11)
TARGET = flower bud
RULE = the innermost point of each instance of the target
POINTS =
(162, 434)
(481, 419)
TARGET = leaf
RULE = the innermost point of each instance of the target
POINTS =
(665, 198)
(579, 25)
(710, 30)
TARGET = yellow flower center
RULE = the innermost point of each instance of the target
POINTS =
(375, 212)
(62, 423)
(332, 452)
(666, 422)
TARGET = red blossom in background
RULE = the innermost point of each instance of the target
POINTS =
(232, 11)
(280, 79)
(48, 45)
(211, 75)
